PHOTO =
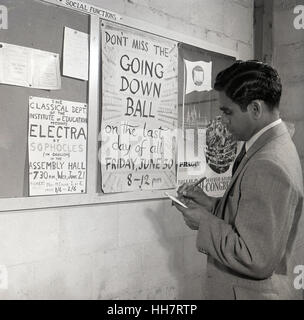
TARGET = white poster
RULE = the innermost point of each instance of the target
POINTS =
(26, 67)
(76, 54)
(199, 75)
(57, 146)
(139, 117)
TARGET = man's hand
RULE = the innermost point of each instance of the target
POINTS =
(192, 215)
(196, 194)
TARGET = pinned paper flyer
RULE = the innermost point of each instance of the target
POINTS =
(76, 54)
(27, 67)
(198, 76)
(57, 146)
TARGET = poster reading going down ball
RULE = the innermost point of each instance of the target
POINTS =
(139, 110)
(57, 147)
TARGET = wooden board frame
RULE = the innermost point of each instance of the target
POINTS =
(92, 196)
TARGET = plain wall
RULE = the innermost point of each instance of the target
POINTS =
(289, 61)
(135, 250)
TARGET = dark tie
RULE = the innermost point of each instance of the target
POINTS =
(239, 159)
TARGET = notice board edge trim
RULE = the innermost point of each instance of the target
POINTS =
(47, 202)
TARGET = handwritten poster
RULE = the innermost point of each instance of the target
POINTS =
(27, 67)
(140, 112)
(57, 142)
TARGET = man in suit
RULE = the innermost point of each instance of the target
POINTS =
(253, 235)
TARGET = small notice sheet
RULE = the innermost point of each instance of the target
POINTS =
(27, 67)
(76, 54)
(57, 142)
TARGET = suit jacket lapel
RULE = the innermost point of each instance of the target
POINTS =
(261, 141)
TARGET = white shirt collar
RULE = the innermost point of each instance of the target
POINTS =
(254, 138)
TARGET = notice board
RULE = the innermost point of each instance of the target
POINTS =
(158, 113)
(140, 113)
(37, 25)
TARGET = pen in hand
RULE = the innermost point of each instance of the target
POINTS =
(198, 182)
(186, 187)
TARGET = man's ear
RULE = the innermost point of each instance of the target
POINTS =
(256, 109)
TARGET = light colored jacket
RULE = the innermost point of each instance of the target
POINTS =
(255, 236)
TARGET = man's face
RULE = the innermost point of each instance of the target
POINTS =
(239, 123)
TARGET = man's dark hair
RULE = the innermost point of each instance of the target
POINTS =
(246, 81)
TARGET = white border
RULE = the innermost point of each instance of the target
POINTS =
(91, 198)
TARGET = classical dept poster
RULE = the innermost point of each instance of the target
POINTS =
(140, 113)
(57, 146)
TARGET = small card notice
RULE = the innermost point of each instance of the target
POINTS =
(76, 54)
